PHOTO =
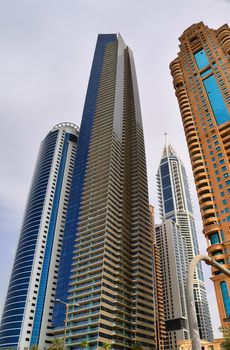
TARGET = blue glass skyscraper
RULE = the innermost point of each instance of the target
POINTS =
(110, 293)
(29, 303)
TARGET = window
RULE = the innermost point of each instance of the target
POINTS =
(216, 100)
(201, 59)
(214, 238)
(225, 296)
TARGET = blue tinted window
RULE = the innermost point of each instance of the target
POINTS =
(201, 59)
(216, 100)
(7, 326)
(168, 205)
(164, 169)
(15, 310)
(10, 332)
(225, 296)
(214, 238)
(167, 193)
(166, 181)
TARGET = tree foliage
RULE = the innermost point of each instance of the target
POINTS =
(84, 344)
(57, 344)
(106, 346)
(226, 334)
(34, 347)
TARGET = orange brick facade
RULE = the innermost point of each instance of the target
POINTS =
(201, 78)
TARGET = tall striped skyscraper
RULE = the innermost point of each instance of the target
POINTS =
(28, 310)
(201, 78)
(112, 269)
(175, 204)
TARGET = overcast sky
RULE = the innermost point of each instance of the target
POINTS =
(46, 50)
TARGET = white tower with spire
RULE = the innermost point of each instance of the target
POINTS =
(175, 204)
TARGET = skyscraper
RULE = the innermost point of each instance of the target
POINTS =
(201, 77)
(33, 281)
(173, 262)
(112, 269)
(175, 204)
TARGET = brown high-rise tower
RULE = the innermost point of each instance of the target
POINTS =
(201, 77)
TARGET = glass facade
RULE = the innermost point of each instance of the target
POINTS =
(15, 303)
(110, 217)
(201, 59)
(212, 89)
(214, 238)
(78, 179)
(33, 282)
(225, 295)
(216, 100)
(167, 188)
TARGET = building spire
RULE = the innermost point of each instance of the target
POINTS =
(166, 138)
(168, 149)
(166, 144)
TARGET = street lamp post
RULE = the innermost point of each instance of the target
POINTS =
(67, 305)
(192, 319)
